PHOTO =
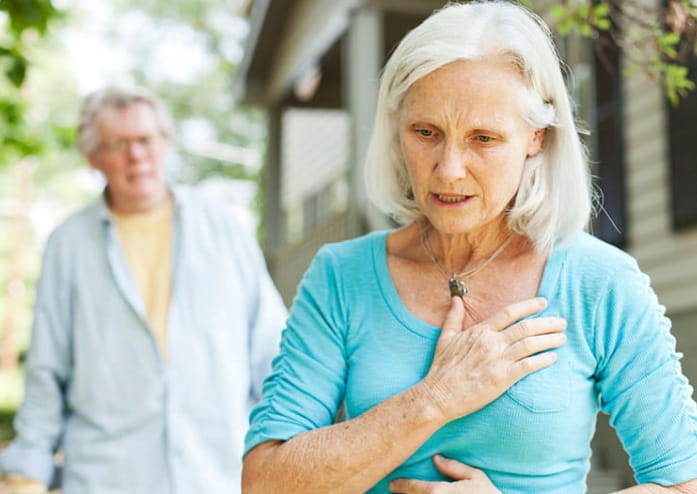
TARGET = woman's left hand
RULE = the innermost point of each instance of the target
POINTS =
(468, 480)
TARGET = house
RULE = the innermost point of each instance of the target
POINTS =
(313, 65)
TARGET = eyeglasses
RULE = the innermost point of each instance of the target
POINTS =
(124, 145)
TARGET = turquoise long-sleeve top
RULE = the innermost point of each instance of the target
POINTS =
(97, 387)
(350, 339)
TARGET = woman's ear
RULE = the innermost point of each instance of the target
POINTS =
(536, 141)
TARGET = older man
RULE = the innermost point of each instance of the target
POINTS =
(155, 323)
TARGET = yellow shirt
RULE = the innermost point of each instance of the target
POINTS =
(146, 239)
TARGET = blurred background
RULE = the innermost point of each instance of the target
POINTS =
(52, 54)
(275, 99)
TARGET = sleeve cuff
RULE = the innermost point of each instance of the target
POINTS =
(676, 473)
(27, 462)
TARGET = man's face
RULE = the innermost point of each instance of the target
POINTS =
(131, 156)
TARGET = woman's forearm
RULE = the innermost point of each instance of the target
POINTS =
(349, 457)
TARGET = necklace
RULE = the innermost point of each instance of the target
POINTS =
(456, 281)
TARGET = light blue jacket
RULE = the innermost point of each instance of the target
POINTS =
(97, 387)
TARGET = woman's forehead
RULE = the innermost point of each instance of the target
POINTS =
(484, 92)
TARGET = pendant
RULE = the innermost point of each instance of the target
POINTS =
(457, 288)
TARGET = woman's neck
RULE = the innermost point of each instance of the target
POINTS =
(461, 252)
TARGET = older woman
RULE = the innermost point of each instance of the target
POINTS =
(475, 145)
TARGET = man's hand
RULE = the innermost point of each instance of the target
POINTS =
(16, 484)
(467, 480)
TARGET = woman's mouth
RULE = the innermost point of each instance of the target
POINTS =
(451, 198)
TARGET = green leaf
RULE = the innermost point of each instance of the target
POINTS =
(601, 10)
(603, 24)
(669, 39)
(564, 27)
(601, 14)
(558, 12)
(676, 82)
(17, 71)
(667, 43)
(586, 30)
(583, 10)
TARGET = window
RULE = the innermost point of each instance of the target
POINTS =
(682, 132)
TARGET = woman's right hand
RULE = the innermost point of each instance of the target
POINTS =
(466, 480)
(473, 366)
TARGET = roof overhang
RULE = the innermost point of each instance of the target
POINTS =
(288, 39)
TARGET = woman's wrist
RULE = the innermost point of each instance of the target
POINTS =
(429, 403)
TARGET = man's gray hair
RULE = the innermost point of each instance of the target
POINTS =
(94, 105)
(553, 202)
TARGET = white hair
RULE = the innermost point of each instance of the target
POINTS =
(95, 104)
(553, 202)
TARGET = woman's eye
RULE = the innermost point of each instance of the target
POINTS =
(484, 139)
(424, 132)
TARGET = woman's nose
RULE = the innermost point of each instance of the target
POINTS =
(452, 163)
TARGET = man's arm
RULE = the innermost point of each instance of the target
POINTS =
(40, 418)
(267, 316)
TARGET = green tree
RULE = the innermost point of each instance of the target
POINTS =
(658, 40)
(37, 162)
(22, 22)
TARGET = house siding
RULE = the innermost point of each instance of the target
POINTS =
(668, 257)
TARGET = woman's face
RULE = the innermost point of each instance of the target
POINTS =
(465, 143)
